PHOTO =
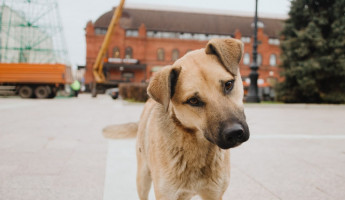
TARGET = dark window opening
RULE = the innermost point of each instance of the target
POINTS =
(129, 52)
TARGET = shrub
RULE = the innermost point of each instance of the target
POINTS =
(133, 91)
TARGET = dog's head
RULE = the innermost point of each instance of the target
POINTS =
(203, 93)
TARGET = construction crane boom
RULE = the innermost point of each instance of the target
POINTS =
(98, 65)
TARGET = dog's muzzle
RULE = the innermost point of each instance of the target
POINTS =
(232, 135)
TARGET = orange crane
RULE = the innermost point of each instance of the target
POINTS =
(98, 65)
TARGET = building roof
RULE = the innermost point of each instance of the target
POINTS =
(174, 21)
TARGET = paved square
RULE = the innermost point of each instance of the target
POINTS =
(53, 149)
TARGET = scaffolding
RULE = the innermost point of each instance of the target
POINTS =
(31, 32)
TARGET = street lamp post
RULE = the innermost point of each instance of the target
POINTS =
(253, 87)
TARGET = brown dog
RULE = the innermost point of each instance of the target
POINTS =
(194, 117)
(195, 114)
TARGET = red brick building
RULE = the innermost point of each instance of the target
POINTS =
(146, 40)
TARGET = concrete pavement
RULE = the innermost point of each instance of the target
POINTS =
(53, 149)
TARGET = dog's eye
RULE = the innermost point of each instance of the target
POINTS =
(229, 85)
(195, 102)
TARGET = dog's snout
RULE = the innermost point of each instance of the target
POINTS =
(233, 133)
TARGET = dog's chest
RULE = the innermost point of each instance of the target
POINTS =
(195, 168)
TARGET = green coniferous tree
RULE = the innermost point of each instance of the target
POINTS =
(313, 52)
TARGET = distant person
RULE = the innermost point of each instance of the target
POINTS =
(75, 87)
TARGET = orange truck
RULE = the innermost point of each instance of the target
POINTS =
(33, 80)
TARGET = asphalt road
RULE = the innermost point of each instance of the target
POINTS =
(53, 149)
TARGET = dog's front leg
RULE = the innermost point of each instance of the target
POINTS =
(144, 179)
(167, 192)
(160, 196)
(211, 195)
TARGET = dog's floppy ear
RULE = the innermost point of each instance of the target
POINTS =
(162, 85)
(229, 51)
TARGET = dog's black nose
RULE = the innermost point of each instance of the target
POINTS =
(233, 133)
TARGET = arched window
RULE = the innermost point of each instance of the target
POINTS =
(116, 52)
(160, 54)
(246, 59)
(175, 54)
(273, 60)
(129, 52)
(259, 59)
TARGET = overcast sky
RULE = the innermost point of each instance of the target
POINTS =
(76, 13)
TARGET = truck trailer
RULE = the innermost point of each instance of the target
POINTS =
(33, 80)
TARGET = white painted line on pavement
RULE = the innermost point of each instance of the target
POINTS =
(120, 179)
